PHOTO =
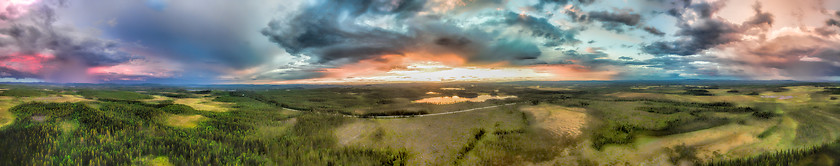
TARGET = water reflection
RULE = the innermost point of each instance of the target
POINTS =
(456, 99)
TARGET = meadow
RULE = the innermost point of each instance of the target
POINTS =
(546, 123)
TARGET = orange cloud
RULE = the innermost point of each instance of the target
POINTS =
(385, 63)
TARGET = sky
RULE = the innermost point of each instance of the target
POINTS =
(397, 41)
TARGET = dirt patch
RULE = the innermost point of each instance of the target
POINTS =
(564, 121)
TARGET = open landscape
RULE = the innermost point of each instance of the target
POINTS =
(560, 123)
(420, 82)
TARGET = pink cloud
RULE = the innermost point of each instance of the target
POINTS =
(25, 63)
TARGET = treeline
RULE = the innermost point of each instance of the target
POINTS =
(806, 156)
(113, 95)
(393, 113)
(23, 92)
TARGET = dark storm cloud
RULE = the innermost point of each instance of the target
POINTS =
(654, 31)
(561, 3)
(623, 18)
(36, 34)
(12, 73)
(704, 32)
(834, 22)
(612, 21)
(760, 18)
(327, 29)
(517, 51)
(329, 32)
(540, 27)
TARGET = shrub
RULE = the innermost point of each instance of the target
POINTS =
(613, 133)
(698, 92)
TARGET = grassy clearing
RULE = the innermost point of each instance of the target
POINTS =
(204, 104)
(156, 161)
(6, 117)
(7, 102)
(183, 121)
(429, 140)
(728, 141)
(157, 99)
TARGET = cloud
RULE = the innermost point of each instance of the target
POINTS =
(12, 9)
(337, 33)
(760, 19)
(793, 54)
(541, 28)
(68, 50)
(35, 46)
(654, 31)
(612, 21)
(698, 31)
(336, 30)
(623, 18)
(834, 22)
(561, 3)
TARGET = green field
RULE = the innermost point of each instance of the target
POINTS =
(547, 123)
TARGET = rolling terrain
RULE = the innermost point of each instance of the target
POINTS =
(519, 123)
